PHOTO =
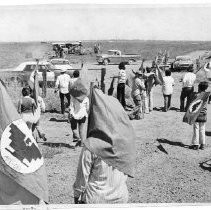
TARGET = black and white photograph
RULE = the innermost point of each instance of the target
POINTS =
(105, 103)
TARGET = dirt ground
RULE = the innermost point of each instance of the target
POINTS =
(167, 170)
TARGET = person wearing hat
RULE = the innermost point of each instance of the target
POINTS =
(78, 111)
(121, 84)
(138, 88)
(107, 158)
(187, 90)
(62, 85)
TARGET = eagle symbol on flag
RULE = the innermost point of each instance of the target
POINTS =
(194, 107)
(19, 149)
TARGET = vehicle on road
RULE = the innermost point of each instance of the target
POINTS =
(60, 64)
(29, 66)
(182, 63)
(116, 57)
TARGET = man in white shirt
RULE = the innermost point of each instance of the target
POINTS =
(187, 90)
(168, 83)
(121, 84)
(62, 85)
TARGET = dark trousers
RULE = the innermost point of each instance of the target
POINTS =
(121, 93)
(80, 134)
(62, 95)
(167, 102)
(187, 92)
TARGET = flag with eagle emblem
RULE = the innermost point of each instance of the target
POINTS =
(23, 177)
(195, 107)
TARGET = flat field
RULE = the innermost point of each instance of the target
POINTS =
(174, 174)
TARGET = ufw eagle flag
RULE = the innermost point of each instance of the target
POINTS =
(23, 177)
(195, 107)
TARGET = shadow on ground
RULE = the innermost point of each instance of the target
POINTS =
(53, 119)
(161, 109)
(52, 111)
(206, 165)
(166, 141)
(52, 144)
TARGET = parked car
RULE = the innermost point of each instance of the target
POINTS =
(60, 63)
(116, 57)
(182, 63)
(29, 66)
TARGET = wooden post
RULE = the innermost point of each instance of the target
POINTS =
(44, 86)
(103, 73)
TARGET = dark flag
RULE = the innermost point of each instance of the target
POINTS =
(110, 134)
(195, 108)
(23, 177)
(159, 78)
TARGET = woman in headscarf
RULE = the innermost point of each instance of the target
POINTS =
(108, 155)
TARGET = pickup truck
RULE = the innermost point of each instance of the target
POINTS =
(116, 57)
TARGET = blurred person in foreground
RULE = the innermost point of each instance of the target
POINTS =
(62, 85)
(138, 92)
(108, 157)
(198, 139)
(26, 107)
(78, 111)
(187, 90)
(121, 84)
(167, 89)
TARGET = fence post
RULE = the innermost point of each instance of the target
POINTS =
(44, 86)
(103, 73)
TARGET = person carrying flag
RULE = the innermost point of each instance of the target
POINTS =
(198, 139)
(108, 156)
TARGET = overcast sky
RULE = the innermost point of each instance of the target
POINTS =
(92, 22)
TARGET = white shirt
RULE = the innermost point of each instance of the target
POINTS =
(97, 182)
(79, 110)
(189, 79)
(63, 82)
(168, 83)
(122, 76)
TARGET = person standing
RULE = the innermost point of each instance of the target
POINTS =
(78, 111)
(188, 87)
(121, 84)
(62, 85)
(26, 107)
(198, 139)
(138, 88)
(107, 158)
(168, 83)
(150, 82)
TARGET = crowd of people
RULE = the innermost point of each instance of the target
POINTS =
(107, 157)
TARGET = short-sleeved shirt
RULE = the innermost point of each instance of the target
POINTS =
(122, 76)
(168, 83)
(188, 79)
(63, 83)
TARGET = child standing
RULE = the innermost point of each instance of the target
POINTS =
(198, 140)
(168, 83)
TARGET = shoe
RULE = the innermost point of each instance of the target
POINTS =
(202, 146)
(194, 147)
